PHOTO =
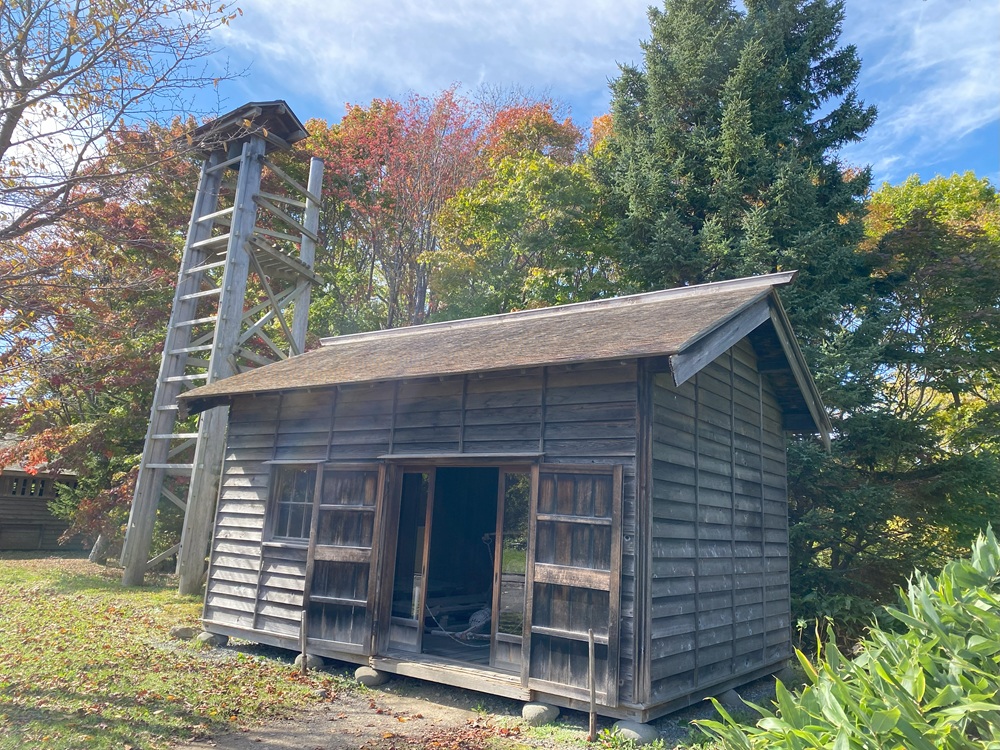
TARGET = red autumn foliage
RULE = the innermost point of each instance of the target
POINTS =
(531, 128)
(390, 168)
(80, 349)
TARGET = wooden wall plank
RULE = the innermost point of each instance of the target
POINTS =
(235, 558)
(718, 497)
(25, 520)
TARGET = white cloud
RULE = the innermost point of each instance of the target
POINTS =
(931, 67)
(347, 50)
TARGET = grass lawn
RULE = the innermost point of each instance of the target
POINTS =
(86, 663)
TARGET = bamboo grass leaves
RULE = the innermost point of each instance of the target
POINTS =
(933, 683)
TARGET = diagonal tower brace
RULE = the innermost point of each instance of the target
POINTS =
(247, 259)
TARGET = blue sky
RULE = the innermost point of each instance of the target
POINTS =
(931, 66)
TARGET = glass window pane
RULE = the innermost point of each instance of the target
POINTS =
(517, 495)
(293, 496)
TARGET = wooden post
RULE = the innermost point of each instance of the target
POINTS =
(197, 529)
(592, 726)
(99, 549)
(303, 667)
(307, 254)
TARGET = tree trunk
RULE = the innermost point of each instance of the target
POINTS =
(99, 552)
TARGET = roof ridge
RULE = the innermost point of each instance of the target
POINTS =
(765, 280)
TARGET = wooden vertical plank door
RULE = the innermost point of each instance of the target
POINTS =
(340, 581)
(574, 576)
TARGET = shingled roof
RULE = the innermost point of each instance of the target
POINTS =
(273, 120)
(679, 323)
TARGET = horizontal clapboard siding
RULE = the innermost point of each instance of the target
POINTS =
(503, 412)
(25, 520)
(302, 433)
(428, 416)
(580, 414)
(719, 562)
(234, 565)
(362, 421)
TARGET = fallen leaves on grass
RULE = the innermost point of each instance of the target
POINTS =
(104, 672)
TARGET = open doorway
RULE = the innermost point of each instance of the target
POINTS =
(456, 593)
(458, 609)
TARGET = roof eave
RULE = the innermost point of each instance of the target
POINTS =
(753, 311)
(764, 282)
(707, 345)
(800, 371)
(273, 120)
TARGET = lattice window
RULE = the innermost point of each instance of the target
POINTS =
(292, 497)
(26, 486)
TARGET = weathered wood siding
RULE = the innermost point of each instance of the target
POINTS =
(719, 563)
(25, 521)
(582, 414)
(591, 417)
(361, 425)
(235, 569)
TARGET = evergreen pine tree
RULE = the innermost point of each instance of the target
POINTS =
(723, 161)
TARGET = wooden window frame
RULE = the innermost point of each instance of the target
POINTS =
(275, 503)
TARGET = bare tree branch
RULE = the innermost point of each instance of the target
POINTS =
(71, 73)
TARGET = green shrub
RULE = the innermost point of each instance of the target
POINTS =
(611, 738)
(934, 684)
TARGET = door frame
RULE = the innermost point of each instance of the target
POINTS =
(391, 502)
(533, 465)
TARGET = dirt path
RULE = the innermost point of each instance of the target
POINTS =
(402, 714)
(405, 714)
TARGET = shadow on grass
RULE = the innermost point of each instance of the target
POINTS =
(101, 720)
(71, 573)
(45, 554)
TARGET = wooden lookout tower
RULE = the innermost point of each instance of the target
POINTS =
(242, 300)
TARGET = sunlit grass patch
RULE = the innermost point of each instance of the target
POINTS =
(85, 662)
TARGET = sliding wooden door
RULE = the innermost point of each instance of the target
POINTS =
(340, 578)
(510, 567)
(407, 540)
(574, 572)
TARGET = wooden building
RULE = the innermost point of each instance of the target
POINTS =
(463, 501)
(25, 520)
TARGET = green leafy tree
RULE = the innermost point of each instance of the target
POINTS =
(416, 194)
(531, 233)
(723, 162)
(913, 382)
